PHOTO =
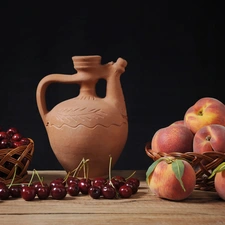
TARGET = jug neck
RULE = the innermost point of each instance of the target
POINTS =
(88, 89)
(85, 63)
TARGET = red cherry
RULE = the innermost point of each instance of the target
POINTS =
(133, 186)
(3, 135)
(16, 137)
(4, 143)
(25, 141)
(125, 191)
(16, 144)
(57, 182)
(73, 189)
(11, 131)
(99, 180)
(43, 192)
(4, 192)
(84, 185)
(71, 180)
(15, 191)
(58, 192)
(108, 192)
(134, 180)
(95, 192)
(28, 193)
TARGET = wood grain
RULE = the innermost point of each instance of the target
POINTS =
(142, 208)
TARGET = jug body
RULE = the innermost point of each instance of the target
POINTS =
(87, 126)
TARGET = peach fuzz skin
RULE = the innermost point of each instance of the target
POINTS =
(209, 138)
(219, 183)
(204, 112)
(163, 183)
(174, 138)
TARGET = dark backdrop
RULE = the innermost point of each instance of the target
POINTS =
(174, 51)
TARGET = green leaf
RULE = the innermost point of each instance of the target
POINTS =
(218, 169)
(178, 169)
(152, 167)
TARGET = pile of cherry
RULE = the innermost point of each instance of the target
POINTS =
(116, 187)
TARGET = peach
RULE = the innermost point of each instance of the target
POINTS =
(209, 138)
(178, 122)
(173, 138)
(204, 112)
(172, 179)
(219, 183)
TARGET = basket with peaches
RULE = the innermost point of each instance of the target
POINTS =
(199, 138)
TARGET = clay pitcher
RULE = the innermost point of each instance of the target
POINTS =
(87, 126)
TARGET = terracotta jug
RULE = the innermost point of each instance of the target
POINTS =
(87, 126)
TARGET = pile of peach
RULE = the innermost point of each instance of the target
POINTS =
(201, 130)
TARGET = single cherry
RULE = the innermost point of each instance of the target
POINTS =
(84, 185)
(4, 191)
(134, 180)
(15, 191)
(16, 144)
(133, 186)
(58, 192)
(28, 193)
(125, 191)
(108, 192)
(72, 179)
(11, 131)
(57, 182)
(4, 143)
(43, 192)
(95, 192)
(99, 180)
(3, 135)
(73, 189)
(25, 141)
(16, 137)
(119, 178)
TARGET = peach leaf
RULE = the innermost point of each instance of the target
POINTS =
(178, 169)
(152, 167)
(218, 169)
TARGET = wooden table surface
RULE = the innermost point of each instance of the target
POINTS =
(142, 208)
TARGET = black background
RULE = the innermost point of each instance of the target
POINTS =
(174, 52)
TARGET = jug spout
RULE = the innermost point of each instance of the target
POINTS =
(120, 66)
(114, 92)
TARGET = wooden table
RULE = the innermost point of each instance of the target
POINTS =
(142, 208)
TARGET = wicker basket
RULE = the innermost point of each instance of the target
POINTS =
(10, 157)
(203, 164)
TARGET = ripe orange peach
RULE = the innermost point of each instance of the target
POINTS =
(219, 183)
(204, 112)
(173, 138)
(172, 179)
(209, 138)
(178, 122)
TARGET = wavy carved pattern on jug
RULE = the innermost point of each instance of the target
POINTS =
(89, 117)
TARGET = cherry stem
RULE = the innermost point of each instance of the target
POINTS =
(14, 175)
(87, 168)
(77, 169)
(110, 170)
(39, 178)
(31, 179)
(130, 175)
(66, 177)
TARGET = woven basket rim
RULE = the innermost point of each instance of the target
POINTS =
(192, 154)
(203, 164)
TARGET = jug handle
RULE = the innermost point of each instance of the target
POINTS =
(42, 87)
